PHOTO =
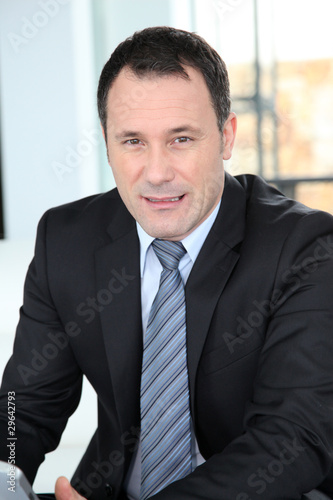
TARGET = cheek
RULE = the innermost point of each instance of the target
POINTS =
(123, 171)
(205, 173)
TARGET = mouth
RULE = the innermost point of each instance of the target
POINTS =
(165, 202)
(158, 200)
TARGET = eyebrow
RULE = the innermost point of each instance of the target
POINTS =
(184, 129)
(125, 134)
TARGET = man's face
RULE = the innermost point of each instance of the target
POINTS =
(166, 150)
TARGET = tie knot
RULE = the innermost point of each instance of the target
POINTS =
(169, 253)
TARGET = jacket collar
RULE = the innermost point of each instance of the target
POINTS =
(211, 272)
(121, 319)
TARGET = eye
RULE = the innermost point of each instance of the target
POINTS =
(133, 142)
(182, 140)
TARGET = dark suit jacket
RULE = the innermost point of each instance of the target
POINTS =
(259, 342)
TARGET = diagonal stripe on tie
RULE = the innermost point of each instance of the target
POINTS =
(165, 414)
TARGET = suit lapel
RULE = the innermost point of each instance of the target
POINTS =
(118, 270)
(211, 272)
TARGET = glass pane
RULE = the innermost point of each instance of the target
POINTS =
(316, 195)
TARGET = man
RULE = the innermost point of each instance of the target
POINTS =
(256, 413)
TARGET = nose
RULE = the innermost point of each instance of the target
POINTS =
(158, 167)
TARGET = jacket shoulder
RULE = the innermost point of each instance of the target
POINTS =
(272, 219)
(88, 222)
(89, 204)
(266, 203)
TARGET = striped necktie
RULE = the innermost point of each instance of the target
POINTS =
(165, 414)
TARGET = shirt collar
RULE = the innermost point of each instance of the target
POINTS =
(192, 243)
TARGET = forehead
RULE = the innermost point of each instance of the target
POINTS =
(155, 96)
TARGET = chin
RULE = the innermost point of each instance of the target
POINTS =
(165, 233)
(164, 229)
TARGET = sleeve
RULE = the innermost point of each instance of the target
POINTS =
(286, 447)
(42, 373)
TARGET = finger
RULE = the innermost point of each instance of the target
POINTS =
(64, 490)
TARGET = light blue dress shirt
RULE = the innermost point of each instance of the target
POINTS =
(151, 269)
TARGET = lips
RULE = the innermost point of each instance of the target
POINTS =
(165, 202)
(159, 200)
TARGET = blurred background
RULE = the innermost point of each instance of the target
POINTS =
(280, 59)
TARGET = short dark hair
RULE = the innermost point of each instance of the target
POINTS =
(164, 51)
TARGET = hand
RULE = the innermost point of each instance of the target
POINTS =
(64, 490)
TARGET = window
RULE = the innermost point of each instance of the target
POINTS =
(281, 73)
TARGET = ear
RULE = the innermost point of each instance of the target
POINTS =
(103, 131)
(229, 135)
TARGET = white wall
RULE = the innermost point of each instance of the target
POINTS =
(43, 126)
